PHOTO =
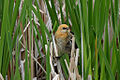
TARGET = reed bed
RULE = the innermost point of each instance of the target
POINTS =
(27, 43)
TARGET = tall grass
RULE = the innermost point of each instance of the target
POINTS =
(24, 25)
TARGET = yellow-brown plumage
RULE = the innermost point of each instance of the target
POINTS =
(63, 39)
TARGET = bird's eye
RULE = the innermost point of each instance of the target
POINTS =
(64, 28)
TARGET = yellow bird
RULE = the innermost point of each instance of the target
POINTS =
(63, 39)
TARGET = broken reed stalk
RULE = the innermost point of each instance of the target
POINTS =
(73, 70)
(76, 58)
(73, 47)
(72, 54)
(70, 74)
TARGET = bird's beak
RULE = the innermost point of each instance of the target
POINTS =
(69, 30)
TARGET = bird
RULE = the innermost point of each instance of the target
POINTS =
(63, 38)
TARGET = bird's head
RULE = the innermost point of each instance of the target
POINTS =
(63, 28)
(63, 31)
